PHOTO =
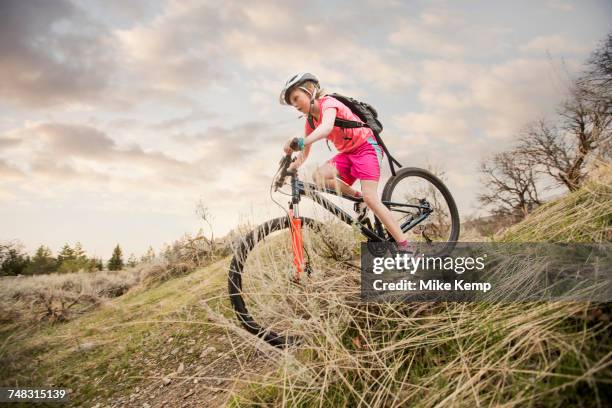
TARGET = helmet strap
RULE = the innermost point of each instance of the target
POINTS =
(312, 99)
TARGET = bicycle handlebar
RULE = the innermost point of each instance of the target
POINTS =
(284, 165)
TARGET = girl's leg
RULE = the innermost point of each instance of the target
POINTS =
(369, 189)
(327, 176)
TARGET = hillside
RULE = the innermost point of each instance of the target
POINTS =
(461, 354)
(177, 343)
(164, 346)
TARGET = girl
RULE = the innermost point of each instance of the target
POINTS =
(359, 155)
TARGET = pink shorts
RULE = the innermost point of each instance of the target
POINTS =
(362, 163)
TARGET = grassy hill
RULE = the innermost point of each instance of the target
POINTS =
(168, 344)
(175, 342)
(461, 354)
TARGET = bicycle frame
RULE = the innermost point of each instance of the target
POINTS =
(378, 234)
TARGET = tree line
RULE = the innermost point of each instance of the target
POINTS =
(557, 152)
(15, 261)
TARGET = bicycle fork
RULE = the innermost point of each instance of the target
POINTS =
(297, 244)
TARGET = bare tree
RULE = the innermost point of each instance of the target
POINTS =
(596, 88)
(203, 212)
(556, 153)
(584, 131)
(511, 183)
(597, 80)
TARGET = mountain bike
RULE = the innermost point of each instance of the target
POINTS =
(266, 273)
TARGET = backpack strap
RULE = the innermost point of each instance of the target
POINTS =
(311, 122)
(389, 157)
(348, 124)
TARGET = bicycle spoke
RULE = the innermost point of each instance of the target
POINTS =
(424, 197)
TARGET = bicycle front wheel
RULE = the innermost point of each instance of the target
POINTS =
(425, 209)
(265, 298)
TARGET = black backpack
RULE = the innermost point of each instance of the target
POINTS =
(369, 117)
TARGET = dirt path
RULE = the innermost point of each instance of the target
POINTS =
(228, 358)
(207, 383)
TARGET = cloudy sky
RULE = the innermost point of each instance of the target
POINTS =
(117, 117)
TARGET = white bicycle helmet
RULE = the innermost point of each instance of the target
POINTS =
(295, 81)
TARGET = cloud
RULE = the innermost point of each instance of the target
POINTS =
(469, 110)
(495, 98)
(562, 5)
(124, 13)
(68, 152)
(515, 92)
(66, 56)
(181, 121)
(8, 142)
(72, 152)
(229, 146)
(180, 47)
(425, 128)
(446, 33)
(555, 44)
(415, 37)
(8, 171)
(75, 140)
(52, 53)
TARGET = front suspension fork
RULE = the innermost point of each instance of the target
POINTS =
(297, 243)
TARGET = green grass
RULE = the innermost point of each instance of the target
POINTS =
(109, 350)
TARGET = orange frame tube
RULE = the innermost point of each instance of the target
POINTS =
(297, 244)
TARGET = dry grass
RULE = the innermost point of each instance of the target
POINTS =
(582, 216)
(59, 297)
(438, 354)
(56, 297)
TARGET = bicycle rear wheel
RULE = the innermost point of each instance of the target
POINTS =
(266, 300)
(415, 194)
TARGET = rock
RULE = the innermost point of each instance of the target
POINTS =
(207, 350)
(195, 381)
(166, 380)
(87, 345)
(169, 339)
(180, 368)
